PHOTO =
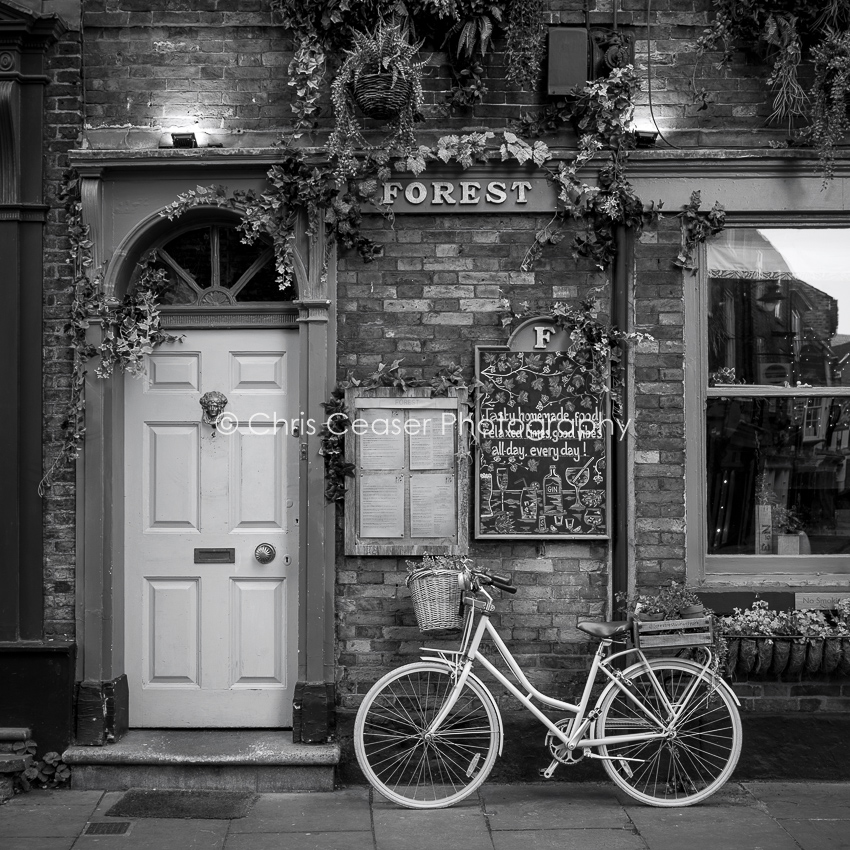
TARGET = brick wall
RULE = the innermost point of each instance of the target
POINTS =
(822, 694)
(659, 410)
(63, 124)
(151, 64)
(433, 296)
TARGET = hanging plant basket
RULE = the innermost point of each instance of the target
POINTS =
(844, 661)
(781, 654)
(382, 96)
(831, 654)
(797, 658)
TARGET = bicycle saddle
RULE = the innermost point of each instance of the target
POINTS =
(615, 628)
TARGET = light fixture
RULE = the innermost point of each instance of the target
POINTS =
(645, 138)
(186, 139)
(771, 298)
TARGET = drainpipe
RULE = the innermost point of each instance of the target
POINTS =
(623, 503)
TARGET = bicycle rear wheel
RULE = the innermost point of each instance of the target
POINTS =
(698, 755)
(405, 763)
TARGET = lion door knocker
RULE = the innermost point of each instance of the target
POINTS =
(213, 404)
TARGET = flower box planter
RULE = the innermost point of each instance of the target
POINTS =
(789, 656)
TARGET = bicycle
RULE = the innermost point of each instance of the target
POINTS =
(667, 730)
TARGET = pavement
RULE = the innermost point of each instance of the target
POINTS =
(567, 816)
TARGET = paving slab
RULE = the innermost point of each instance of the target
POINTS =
(300, 841)
(450, 829)
(40, 842)
(341, 811)
(819, 834)
(798, 800)
(569, 839)
(48, 814)
(160, 834)
(517, 807)
(709, 827)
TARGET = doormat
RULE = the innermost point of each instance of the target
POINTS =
(203, 805)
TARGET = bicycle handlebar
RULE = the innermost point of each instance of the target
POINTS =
(503, 582)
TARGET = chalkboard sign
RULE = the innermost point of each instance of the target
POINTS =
(542, 443)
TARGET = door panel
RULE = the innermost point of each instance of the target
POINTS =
(258, 617)
(171, 477)
(172, 632)
(212, 643)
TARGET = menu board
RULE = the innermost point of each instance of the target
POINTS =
(542, 447)
(409, 494)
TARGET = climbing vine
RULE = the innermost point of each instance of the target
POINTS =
(697, 226)
(596, 345)
(132, 327)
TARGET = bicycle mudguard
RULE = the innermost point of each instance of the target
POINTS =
(438, 659)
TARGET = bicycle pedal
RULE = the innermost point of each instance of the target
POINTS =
(548, 772)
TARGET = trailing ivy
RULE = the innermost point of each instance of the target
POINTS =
(787, 33)
(602, 113)
(337, 420)
(697, 226)
(596, 345)
(131, 328)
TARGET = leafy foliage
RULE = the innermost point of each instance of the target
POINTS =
(323, 29)
(525, 33)
(49, 772)
(337, 420)
(786, 33)
(331, 200)
(597, 346)
(829, 97)
(131, 328)
(386, 49)
(697, 226)
(602, 113)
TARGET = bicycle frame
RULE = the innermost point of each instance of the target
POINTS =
(469, 654)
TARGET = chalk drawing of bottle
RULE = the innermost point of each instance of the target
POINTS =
(553, 499)
(486, 494)
(528, 502)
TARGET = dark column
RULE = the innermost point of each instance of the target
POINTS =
(24, 37)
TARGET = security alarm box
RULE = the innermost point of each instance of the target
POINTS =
(567, 58)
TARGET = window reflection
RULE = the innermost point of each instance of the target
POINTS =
(779, 308)
(777, 475)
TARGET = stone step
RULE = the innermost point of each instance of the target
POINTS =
(11, 763)
(209, 759)
(11, 735)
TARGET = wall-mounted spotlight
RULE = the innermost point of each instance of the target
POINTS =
(645, 138)
(186, 139)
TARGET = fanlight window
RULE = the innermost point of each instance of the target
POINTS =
(211, 266)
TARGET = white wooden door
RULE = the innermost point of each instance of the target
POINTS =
(212, 644)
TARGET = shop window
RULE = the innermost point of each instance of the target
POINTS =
(769, 406)
(212, 266)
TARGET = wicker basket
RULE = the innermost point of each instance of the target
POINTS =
(436, 599)
(378, 96)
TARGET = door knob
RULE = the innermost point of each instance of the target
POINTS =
(265, 553)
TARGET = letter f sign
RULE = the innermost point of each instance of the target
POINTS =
(542, 335)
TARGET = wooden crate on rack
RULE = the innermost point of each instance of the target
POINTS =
(664, 634)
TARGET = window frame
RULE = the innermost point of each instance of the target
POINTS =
(725, 571)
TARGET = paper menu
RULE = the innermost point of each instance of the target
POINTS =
(382, 440)
(381, 505)
(432, 505)
(432, 444)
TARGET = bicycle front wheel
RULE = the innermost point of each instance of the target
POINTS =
(699, 751)
(410, 765)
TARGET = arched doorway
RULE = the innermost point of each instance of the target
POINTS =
(211, 512)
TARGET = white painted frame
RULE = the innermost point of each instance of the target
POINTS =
(738, 571)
